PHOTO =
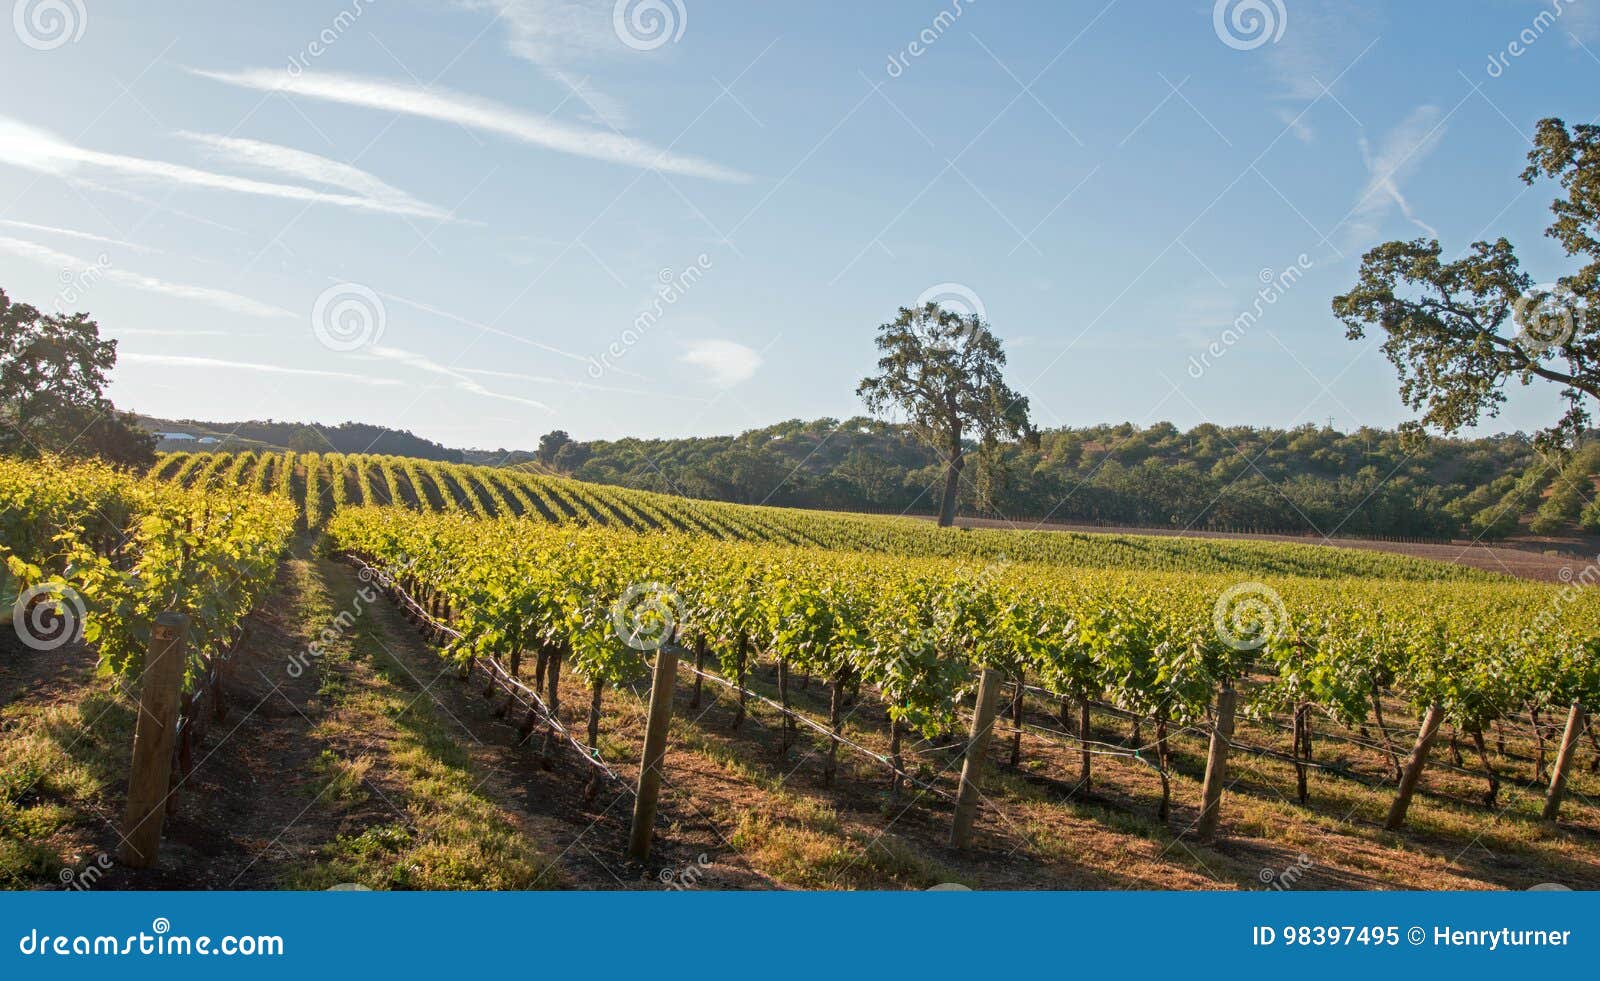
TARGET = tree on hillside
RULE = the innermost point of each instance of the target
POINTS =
(53, 372)
(550, 445)
(1457, 332)
(942, 370)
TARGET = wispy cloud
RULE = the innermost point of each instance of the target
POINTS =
(74, 234)
(300, 165)
(31, 148)
(1321, 38)
(1402, 150)
(222, 299)
(193, 361)
(727, 362)
(476, 113)
(459, 378)
(558, 35)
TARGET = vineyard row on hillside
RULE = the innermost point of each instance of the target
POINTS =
(322, 484)
(1157, 645)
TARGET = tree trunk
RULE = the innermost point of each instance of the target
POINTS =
(1538, 738)
(1388, 744)
(894, 756)
(593, 788)
(1017, 695)
(952, 483)
(1493, 795)
(699, 665)
(835, 712)
(553, 701)
(1087, 760)
(783, 699)
(738, 670)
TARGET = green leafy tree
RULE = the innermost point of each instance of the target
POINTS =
(1458, 332)
(943, 370)
(550, 445)
(53, 374)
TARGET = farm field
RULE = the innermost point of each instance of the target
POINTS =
(445, 697)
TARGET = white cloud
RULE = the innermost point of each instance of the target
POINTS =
(35, 149)
(72, 233)
(188, 361)
(89, 273)
(1402, 150)
(476, 113)
(300, 165)
(557, 35)
(727, 362)
(458, 377)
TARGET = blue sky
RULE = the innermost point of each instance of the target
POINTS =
(451, 215)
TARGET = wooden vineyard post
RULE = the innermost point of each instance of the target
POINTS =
(976, 757)
(1217, 764)
(655, 749)
(1576, 720)
(1413, 771)
(151, 772)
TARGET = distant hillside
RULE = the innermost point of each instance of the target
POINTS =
(348, 437)
(1305, 480)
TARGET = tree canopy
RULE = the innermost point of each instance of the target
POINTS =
(53, 374)
(943, 371)
(1459, 331)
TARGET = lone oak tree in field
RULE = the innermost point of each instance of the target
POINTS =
(1458, 331)
(53, 371)
(943, 370)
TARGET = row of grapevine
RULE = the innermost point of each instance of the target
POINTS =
(116, 551)
(324, 483)
(1155, 645)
